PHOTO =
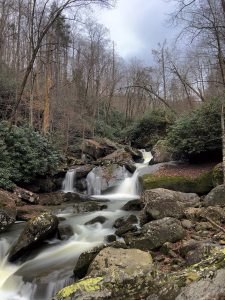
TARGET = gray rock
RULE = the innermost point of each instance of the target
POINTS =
(131, 219)
(81, 184)
(65, 232)
(35, 231)
(160, 152)
(99, 219)
(133, 205)
(123, 230)
(154, 234)
(215, 197)
(205, 289)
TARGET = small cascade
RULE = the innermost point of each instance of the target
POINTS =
(94, 182)
(68, 182)
(147, 156)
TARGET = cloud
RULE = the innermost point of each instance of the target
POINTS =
(137, 26)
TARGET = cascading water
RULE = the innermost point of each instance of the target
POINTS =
(94, 182)
(51, 267)
(68, 182)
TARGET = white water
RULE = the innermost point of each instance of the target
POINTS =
(51, 267)
(68, 182)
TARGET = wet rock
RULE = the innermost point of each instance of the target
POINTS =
(82, 171)
(35, 232)
(154, 234)
(130, 167)
(89, 206)
(7, 218)
(27, 196)
(85, 260)
(65, 232)
(131, 219)
(160, 203)
(27, 212)
(99, 219)
(136, 154)
(81, 184)
(111, 238)
(123, 230)
(133, 205)
(216, 197)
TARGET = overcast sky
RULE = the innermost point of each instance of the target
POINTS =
(137, 26)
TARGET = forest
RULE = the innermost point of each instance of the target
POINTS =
(111, 169)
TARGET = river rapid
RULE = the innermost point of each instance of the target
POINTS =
(50, 268)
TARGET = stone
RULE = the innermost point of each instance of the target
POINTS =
(99, 219)
(97, 149)
(187, 224)
(7, 218)
(127, 262)
(130, 167)
(27, 196)
(81, 184)
(35, 232)
(215, 197)
(131, 219)
(110, 238)
(160, 203)
(88, 206)
(200, 185)
(186, 199)
(82, 171)
(85, 260)
(133, 205)
(123, 230)
(154, 234)
(65, 232)
(206, 288)
(160, 152)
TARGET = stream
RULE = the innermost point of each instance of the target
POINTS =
(50, 267)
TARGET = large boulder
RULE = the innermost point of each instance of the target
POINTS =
(154, 234)
(97, 149)
(216, 197)
(35, 232)
(160, 203)
(186, 199)
(211, 287)
(200, 185)
(161, 152)
(113, 274)
(82, 171)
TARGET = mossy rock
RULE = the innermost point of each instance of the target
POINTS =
(160, 284)
(200, 185)
(217, 175)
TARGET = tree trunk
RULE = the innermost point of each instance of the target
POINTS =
(223, 139)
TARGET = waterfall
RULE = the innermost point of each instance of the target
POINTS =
(68, 182)
(94, 182)
(131, 185)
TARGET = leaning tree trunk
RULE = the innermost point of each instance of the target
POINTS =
(223, 139)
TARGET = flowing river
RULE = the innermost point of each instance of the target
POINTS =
(50, 268)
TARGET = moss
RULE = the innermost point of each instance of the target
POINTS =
(217, 175)
(200, 185)
(88, 285)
